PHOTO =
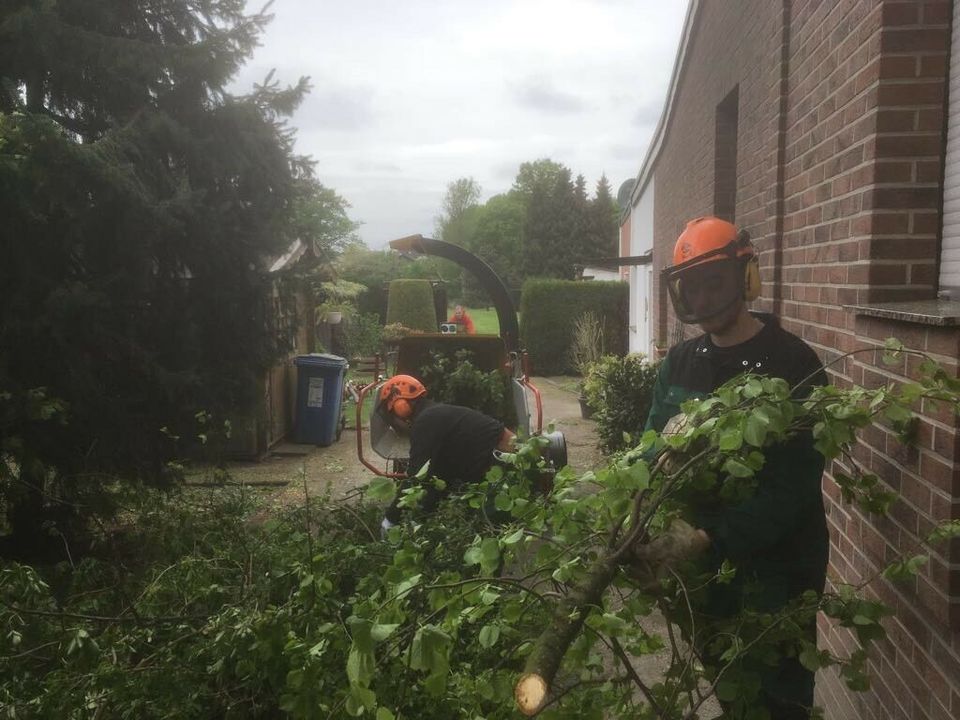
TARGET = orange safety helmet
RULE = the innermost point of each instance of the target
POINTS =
(397, 393)
(708, 240)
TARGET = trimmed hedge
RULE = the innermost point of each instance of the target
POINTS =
(411, 303)
(548, 309)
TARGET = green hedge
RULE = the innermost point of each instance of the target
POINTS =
(620, 391)
(548, 309)
(410, 303)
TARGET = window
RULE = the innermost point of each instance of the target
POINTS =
(725, 157)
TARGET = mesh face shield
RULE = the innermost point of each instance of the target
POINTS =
(706, 286)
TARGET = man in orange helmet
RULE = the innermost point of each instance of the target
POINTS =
(457, 441)
(778, 538)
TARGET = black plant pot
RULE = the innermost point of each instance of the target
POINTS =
(586, 412)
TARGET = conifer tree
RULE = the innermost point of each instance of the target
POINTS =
(604, 228)
(141, 204)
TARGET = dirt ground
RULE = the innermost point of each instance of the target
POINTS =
(294, 469)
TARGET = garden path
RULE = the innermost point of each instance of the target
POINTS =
(337, 470)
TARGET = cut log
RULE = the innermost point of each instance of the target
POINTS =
(533, 687)
(530, 693)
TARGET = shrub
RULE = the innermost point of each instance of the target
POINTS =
(392, 333)
(588, 345)
(620, 391)
(411, 303)
(362, 335)
(547, 308)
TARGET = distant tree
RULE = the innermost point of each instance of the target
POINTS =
(580, 221)
(456, 221)
(456, 224)
(497, 241)
(542, 173)
(141, 204)
(604, 227)
(319, 217)
(547, 247)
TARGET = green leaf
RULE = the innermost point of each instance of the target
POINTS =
(429, 650)
(944, 531)
(380, 632)
(753, 388)
(385, 714)
(489, 555)
(905, 569)
(513, 538)
(360, 667)
(381, 489)
(512, 611)
(737, 469)
(639, 475)
(489, 635)
(407, 585)
(897, 414)
(360, 699)
(473, 555)
(755, 430)
(730, 439)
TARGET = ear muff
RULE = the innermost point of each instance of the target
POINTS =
(751, 279)
(402, 408)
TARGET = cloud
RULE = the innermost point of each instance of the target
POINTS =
(648, 114)
(378, 168)
(338, 108)
(539, 94)
(410, 96)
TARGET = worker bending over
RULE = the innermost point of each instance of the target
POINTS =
(458, 442)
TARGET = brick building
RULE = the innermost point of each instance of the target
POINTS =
(824, 127)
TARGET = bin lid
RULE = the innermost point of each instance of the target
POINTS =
(320, 360)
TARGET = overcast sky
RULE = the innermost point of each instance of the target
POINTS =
(409, 95)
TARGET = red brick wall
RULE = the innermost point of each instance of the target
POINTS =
(685, 170)
(839, 170)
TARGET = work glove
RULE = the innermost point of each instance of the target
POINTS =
(675, 459)
(385, 526)
(678, 542)
(676, 424)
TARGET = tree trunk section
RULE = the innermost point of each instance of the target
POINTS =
(533, 687)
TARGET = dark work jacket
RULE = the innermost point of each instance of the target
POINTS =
(778, 537)
(459, 443)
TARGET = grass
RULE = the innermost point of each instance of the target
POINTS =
(484, 320)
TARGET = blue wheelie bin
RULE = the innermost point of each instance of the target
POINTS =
(319, 394)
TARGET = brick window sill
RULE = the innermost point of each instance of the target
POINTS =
(942, 313)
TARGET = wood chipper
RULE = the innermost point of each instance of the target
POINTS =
(488, 352)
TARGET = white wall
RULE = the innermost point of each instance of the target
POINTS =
(591, 273)
(641, 285)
